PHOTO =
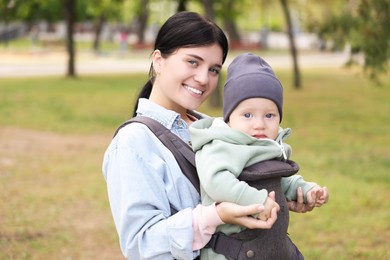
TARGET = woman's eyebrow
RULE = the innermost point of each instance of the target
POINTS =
(200, 58)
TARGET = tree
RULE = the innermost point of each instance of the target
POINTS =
(209, 9)
(293, 49)
(142, 16)
(364, 25)
(100, 11)
(34, 10)
(224, 10)
(215, 98)
(5, 11)
(182, 5)
(70, 17)
(229, 17)
(98, 27)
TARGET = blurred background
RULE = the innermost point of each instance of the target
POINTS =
(358, 27)
(69, 74)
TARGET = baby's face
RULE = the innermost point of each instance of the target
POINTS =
(257, 117)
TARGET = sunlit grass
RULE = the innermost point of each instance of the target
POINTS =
(87, 104)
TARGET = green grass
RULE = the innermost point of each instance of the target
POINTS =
(53, 201)
(83, 105)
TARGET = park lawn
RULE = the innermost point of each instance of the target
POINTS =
(53, 133)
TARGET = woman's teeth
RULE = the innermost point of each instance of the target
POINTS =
(196, 91)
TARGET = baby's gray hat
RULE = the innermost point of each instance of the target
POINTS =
(249, 76)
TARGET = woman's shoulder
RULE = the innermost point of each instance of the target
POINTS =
(134, 131)
(135, 137)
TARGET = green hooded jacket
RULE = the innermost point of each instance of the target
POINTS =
(221, 155)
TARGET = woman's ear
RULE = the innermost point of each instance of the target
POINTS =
(156, 61)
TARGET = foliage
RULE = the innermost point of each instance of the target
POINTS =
(109, 9)
(33, 10)
(52, 10)
(365, 27)
(361, 24)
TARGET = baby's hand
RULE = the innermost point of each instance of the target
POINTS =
(317, 196)
(268, 206)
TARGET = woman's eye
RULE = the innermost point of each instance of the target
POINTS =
(194, 63)
(214, 71)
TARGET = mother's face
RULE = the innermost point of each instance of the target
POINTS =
(187, 77)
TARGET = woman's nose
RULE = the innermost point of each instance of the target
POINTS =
(202, 76)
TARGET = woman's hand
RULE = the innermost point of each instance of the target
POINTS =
(231, 213)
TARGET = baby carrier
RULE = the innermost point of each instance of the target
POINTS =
(271, 243)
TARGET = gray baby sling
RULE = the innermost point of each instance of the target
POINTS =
(250, 243)
(264, 244)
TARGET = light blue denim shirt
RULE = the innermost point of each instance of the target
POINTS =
(143, 180)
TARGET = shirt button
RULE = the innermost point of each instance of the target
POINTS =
(179, 122)
(250, 254)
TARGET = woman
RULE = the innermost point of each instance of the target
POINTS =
(143, 179)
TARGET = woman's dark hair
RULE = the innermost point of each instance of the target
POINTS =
(184, 29)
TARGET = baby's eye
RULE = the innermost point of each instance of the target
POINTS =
(269, 115)
(248, 115)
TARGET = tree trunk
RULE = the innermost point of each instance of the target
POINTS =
(208, 7)
(98, 30)
(143, 15)
(230, 25)
(215, 97)
(182, 6)
(293, 49)
(70, 17)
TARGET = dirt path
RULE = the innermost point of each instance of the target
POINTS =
(41, 63)
(53, 194)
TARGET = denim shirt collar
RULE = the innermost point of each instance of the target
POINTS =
(166, 117)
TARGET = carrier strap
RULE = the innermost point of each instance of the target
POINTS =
(183, 153)
(222, 244)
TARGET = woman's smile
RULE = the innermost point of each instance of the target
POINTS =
(193, 90)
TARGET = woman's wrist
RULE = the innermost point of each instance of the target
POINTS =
(205, 220)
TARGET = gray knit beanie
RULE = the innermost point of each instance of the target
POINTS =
(249, 76)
